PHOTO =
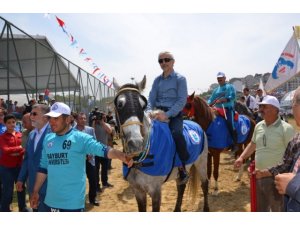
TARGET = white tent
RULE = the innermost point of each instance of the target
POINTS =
(286, 101)
(33, 65)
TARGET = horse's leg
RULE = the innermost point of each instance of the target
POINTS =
(141, 199)
(204, 186)
(180, 192)
(156, 199)
(209, 165)
(216, 157)
(241, 170)
(201, 170)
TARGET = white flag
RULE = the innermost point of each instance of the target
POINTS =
(261, 86)
(286, 66)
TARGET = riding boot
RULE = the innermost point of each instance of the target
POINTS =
(183, 175)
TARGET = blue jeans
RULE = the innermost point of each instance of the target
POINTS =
(176, 127)
(9, 178)
(230, 124)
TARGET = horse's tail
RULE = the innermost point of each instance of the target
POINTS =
(193, 184)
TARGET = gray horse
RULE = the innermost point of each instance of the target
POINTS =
(135, 128)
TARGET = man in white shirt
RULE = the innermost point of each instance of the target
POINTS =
(250, 100)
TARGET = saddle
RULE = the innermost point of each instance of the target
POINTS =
(163, 156)
(218, 126)
(220, 112)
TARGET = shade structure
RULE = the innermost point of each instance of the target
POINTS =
(32, 65)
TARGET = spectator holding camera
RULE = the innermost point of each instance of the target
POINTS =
(92, 115)
(102, 131)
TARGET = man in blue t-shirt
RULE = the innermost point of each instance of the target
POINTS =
(63, 162)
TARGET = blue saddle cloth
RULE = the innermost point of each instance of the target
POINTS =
(162, 148)
(218, 135)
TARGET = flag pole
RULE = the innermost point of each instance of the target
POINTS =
(253, 202)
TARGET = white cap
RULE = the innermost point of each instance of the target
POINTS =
(270, 100)
(58, 109)
(221, 74)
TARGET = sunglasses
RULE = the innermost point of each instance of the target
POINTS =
(165, 59)
(33, 114)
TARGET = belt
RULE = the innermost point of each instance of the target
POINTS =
(163, 108)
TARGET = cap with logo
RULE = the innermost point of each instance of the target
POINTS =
(58, 109)
(270, 100)
(220, 74)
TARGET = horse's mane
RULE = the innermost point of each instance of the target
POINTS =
(204, 111)
(242, 109)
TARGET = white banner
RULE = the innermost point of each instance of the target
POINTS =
(286, 66)
(261, 86)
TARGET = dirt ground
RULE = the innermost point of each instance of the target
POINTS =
(233, 196)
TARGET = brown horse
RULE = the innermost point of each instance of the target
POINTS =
(204, 115)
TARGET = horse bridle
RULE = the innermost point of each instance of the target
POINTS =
(145, 151)
(117, 114)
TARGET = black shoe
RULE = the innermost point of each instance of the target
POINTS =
(25, 209)
(183, 177)
(107, 185)
(95, 203)
(99, 190)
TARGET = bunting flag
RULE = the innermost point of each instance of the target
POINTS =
(96, 71)
(286, 66)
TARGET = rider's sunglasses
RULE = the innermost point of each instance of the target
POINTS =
(165, 59)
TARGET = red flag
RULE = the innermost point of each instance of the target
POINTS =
(95, 70)
(87, 59)
(60, 22)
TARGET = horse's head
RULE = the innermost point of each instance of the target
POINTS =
(242, 109)
(129, 108)
(198, 108)
(189, 109)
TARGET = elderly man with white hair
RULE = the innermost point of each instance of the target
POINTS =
(269, 141)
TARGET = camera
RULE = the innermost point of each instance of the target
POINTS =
(97, 115)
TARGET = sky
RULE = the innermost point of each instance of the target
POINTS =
(126, 45)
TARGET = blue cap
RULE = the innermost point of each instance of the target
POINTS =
(221, 74)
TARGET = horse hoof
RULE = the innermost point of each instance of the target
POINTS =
(206, 209)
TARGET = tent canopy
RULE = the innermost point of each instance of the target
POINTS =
(30, 66)
(286, 101)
